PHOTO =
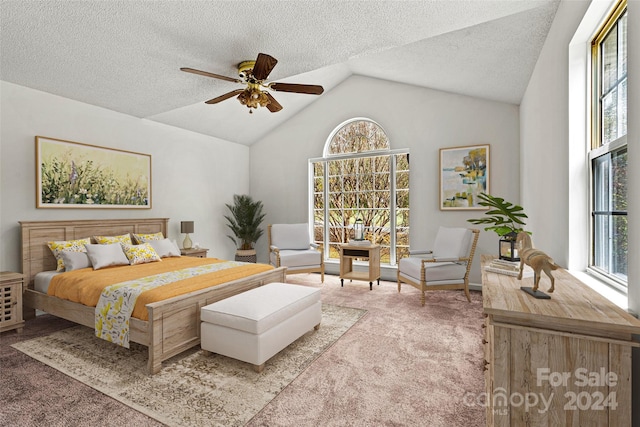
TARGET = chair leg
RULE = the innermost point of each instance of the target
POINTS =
(466, 292)
(423, 299)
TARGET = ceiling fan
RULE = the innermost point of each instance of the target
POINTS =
(254, 74)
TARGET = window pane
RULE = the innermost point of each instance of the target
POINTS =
(318, 169)
(610, 243)
(601, 183)
(622, 108)
(609, 117)
(609, 61)
(622, 49)
(619, 180)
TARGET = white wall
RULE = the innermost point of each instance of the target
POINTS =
(544, 137)
(193, 175)
(420, 119)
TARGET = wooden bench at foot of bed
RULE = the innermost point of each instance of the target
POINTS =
(173, 325)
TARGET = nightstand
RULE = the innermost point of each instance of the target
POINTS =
(193, 252)
(11, 301)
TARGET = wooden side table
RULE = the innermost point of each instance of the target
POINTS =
(193, 252)
(11, 287)
(350, 252)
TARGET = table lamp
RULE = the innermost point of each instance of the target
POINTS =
(186, 227)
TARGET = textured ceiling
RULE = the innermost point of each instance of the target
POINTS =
(126, 55)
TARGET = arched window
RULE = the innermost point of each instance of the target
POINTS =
(360, 177)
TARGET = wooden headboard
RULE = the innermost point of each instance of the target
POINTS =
(37, 257)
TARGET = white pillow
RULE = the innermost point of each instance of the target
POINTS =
(102, 256)
(165, 248)
(75, 260)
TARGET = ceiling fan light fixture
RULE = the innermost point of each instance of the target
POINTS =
(254, 75)
(253, 97)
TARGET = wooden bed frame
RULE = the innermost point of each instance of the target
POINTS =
(173, 325)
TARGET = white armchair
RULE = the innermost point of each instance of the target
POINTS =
(447, 266)
(290, 246)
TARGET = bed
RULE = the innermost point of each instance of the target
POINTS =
(173, 325)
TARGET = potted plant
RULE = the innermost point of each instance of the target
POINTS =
(244, 221)
(507, 221)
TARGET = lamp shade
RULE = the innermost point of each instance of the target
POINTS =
(186, 226)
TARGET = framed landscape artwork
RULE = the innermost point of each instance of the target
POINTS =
(75, 175)
(464, 173)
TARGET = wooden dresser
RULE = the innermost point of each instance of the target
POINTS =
(558, 362)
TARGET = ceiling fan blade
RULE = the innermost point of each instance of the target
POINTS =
(273, 105)
(297, 88)
(207, 74)
(225, 96)
(264, 65)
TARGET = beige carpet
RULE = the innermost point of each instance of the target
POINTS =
(191, 389)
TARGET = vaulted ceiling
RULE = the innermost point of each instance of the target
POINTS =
(125, 55)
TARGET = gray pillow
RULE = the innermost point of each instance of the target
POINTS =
(102, 256)
(75, 260)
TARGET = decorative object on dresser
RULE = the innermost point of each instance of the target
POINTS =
(244, 222)
(194, 252)
(464, 174)
(11, 287)
(172, 325)
(186, 227)
(291, 246)
(538, 261)
(510, 268)
(75, 175)
(569, 357)
(507, 220)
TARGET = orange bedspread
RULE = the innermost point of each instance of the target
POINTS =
(85, 285)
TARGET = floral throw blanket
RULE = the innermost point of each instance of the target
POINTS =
(117, 302)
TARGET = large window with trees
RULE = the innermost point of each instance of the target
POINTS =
(608, 155)
(360, 177)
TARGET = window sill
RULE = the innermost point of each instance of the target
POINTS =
(615, 296)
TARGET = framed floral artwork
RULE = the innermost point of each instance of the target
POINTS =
(464, 173)
(75, 175)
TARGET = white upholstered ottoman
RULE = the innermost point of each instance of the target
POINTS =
(255, 325)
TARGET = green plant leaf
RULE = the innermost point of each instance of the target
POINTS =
(505, 216)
